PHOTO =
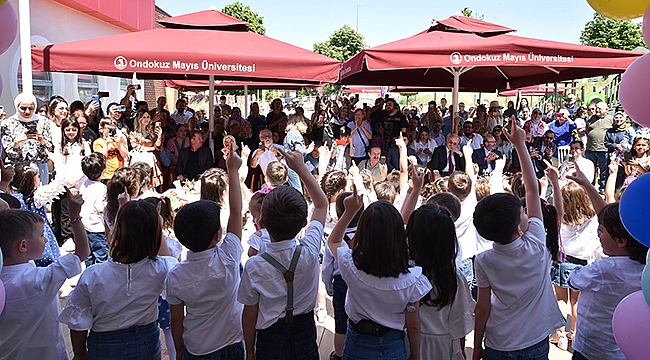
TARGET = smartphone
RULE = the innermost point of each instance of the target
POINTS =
(157, 124)
(365, 104)
(32, 128)
(94, 98)
(356, 96)
(112, 132)
(137, 86)
(103, 94)
(121, 108)
(382, 160)
(261, 146)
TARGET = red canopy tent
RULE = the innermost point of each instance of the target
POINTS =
(487, 56)
(535, 90)
(196, 46)
(201, 85)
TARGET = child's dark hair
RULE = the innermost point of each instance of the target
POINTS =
(10, 200)
(166, 210)
(431, 235)
(214, 183)
(340, 208)
(70, 121)
(380, 241)
(197, 223)
(333, 182)
(137, 233)
(23, 181)
(385, 191)
(143, 171)
(552, 227)
(276, 173)
(284, 212)
(610, 219)
(122, 177)
(448, 201)
(497, 216)
(93, 165)
(16, 225)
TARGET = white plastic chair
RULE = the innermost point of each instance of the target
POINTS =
(562, 153)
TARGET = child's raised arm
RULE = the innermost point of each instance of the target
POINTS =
(233, 162)
(411, 198)
(352, 205)
(81, 246)
(596, 201)
(296, 161)
(517, 136)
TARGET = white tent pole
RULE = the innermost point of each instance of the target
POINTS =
(25, 45)
(454, 94)
(245, 101)
(211, 112)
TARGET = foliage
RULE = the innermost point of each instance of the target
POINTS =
(245, 13)
(342, 44)
(469, 12)
(614, 34)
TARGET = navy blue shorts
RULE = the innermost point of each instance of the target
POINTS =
(338, 301)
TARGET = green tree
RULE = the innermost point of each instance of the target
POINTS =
(245, 13)
(613, 34)
(469, 12)
(342, 44)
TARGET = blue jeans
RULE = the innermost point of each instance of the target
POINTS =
(388, 347)
(282, 341)
(293, 179)
(578, 356)
(468, 271)
(98, 248)
(137, 343)
(538, 351)
(599, 158)
(230, 352)
(44, 173)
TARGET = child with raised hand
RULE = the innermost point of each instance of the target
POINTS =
(28, 326)
(279, 286)
(604, 283)
(383, 291)
(118, 300)
(202, 289)
(516, 309)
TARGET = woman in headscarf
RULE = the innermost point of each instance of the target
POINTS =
(26, 136)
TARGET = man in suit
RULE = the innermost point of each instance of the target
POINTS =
(195, 159)
(447, 158)
(486, 155)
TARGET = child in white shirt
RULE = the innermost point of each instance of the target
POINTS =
(271, 318)
(205, 284)
(94, 194)
(516, 309)
(28, 326)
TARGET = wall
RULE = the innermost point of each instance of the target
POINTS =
(52, 22)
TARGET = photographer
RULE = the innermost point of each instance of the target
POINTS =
(390, 123)
(112, 144)
(26, 136)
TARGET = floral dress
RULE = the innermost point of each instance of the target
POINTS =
(30, 150)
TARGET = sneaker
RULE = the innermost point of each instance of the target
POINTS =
(321, 313)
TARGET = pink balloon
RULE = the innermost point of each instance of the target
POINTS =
(9, 23)
(0, 85)
(2, 296)
(635, 85)
(631, 326)
(645, 28)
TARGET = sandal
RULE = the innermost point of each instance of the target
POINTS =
(555, 338)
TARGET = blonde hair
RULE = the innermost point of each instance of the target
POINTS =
(296, 122)
(576, 204)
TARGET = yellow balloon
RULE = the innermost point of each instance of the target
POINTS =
(620, 9)
(2, 2)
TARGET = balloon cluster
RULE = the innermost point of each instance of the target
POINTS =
(9, 22)
(631, 320)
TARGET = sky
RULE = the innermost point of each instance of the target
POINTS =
(303, 23)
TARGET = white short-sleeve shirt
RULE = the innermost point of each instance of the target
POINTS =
(524, 309)
(207, 283)
(114, 296)
(258, 242)
(602, 286)
(28, 326)
(382, 300)
(94, 195)
(263, 284)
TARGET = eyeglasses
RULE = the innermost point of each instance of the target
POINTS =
(549, 137)
(537, 113)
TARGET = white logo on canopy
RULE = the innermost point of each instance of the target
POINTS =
(456, 58)
(120, 62)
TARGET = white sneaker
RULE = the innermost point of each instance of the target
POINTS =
(321, 313)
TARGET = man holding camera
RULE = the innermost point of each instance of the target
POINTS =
(112, 144)
(389, 122)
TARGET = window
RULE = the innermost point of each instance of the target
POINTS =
(87, 86)
(41, 82)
